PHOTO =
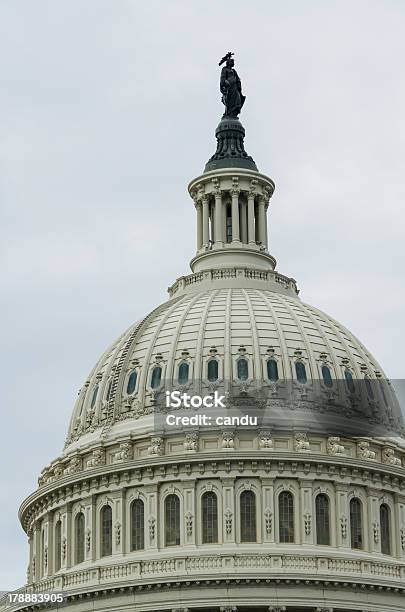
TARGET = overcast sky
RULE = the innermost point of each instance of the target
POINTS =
(108, 109)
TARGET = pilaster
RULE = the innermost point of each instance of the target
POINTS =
(342, 516)
(228, 504)
(268, 510)
(306, 514)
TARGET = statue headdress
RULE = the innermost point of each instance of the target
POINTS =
(226, 57)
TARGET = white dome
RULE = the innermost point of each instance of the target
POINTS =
(221, 323)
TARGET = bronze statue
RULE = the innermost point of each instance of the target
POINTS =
(230, 87)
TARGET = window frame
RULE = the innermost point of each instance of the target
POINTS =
(205, 496)
(290, 540)
(360, 528)
(253, 529)
(328, 522)
(386, 533)
(104, 550)
(177, 541)
(137, 503)
(79, 535)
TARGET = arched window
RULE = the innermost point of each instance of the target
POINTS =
(94, 396)
(131, 385)
(356, 523)
(243, 371)
(58, 546)
(106, 531)
(301, 372)
(385, 529)
(172, 520)
(349, 381)
(369, 388)
(212, 370)
(79, 538)
(286, 517)
(272, 370)
(183, 373)
(247, 516)
(322, 519)
(327, 377)
(137, 525)
(209, 513)
(156, 377)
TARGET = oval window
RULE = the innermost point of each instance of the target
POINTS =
(183, 373)
(213, 370)
(272, 370)
(301, 372)
(156, 377)
(132, 382)
(349, 381)
(327, 377)
(243, 369)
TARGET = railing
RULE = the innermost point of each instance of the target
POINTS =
(306, 565)
(232, 273)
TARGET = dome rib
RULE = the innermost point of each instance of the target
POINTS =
(172, 351)
(313, 367)
(199, 351)
(284, 356)
(227, 337)
(151, 347)
(256, 344)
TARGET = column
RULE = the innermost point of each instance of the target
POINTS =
(31, 577)
(224, 213)
(94, 532)
(398, 526)
(235, 215)
(68, 534)
(266, 233)
(37, 552)
(218, 238)
(205, 221)
(198, 207)
(51, 547)
(262, 222)
(243, 222)
(251, 218)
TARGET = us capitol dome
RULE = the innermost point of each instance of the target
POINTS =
(302, 512)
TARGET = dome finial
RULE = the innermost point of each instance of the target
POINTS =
(230, 133)
(230, 87)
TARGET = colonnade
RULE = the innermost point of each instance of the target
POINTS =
(233, 218)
